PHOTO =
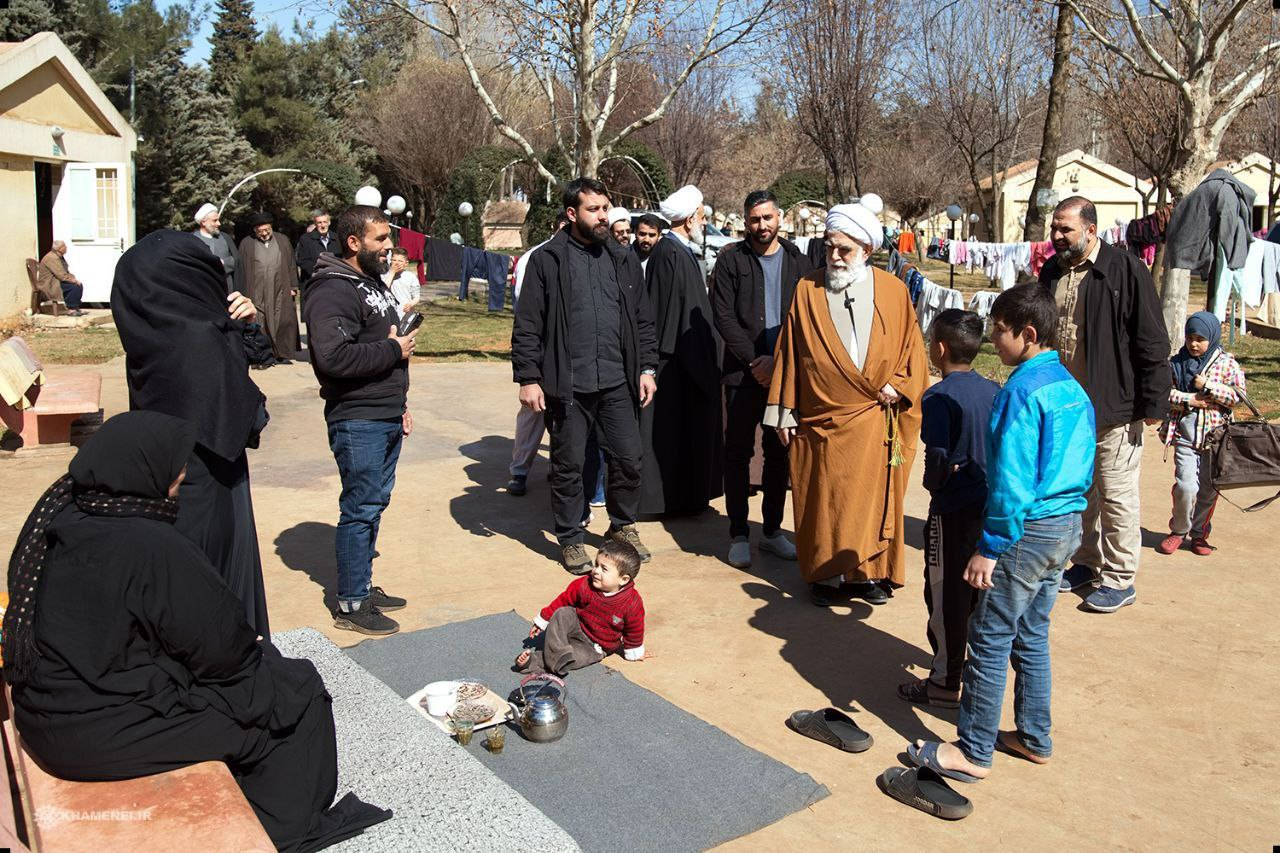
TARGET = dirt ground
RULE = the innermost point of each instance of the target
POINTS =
(1165, 712)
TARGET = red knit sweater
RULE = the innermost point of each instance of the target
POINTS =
(611, 621)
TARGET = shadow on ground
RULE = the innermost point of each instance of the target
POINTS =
(484, 508)
(308, 547)
(837, 650)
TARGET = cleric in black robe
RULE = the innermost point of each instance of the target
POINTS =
(683, 429)
(128, 655)
(271, 279)
(185, 356)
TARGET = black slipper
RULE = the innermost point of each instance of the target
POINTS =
(831, 727)
(917, 693)
(925, 790)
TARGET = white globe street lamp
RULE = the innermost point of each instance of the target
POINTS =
(369, 196)
(396, 205)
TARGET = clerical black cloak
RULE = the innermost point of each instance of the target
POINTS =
(682, 430)
(273, 294)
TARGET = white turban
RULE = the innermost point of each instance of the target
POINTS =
(681, 204)
(858, 222)
(203, 213)
(618, 214)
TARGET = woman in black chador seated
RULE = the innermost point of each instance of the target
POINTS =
(129, 656)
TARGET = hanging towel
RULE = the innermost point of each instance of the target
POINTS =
(415, 243)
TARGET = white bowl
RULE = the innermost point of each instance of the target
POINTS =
(442, 697)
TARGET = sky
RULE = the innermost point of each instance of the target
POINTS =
(280, 12)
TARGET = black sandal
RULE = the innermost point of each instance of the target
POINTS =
(917, 693)
(925, 790)
(831, 727)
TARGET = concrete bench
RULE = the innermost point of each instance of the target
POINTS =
(66, 396)
(196, 806)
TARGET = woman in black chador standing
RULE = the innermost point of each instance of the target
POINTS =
(184, 340)
(129, 656)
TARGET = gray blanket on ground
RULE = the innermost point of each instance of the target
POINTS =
(441, 797)
(633, 773)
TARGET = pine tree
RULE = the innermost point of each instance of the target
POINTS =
(21, 19)
(233, 40)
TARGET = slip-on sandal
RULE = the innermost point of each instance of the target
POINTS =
(927, 756)
(917, 693)
(1002, 746)
(831, 727)
(921, 788)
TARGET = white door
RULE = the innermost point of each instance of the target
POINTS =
(90, 213)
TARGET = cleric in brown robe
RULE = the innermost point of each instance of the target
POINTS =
(271, 276)
(682, 430)
(848, 375)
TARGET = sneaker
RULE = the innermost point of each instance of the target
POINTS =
(518, 486)
(869, 591)
(575, 559)
(628, 533)
(598, 502)
(1077, 577)
(1201, 547)
(367, 620)
(385, 602)
(1170, 543)
(1104, 599)
(740, 553)
(778, 545)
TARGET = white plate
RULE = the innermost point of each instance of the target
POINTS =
(442, 723)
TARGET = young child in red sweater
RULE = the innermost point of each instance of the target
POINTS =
(597, 615)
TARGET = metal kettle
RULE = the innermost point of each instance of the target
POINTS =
(544, 717)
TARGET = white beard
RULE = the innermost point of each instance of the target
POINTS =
(841, 279)
(697, 237)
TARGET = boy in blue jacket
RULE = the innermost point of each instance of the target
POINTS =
(1040, 448)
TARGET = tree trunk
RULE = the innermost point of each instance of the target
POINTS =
(1051, 145)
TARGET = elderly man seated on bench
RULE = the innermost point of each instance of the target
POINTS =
(128, 655)
(54, 274)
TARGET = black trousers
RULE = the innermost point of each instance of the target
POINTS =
(950, 540)
(745, 408)
(570, 424)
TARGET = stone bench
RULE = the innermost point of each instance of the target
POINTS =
(198, 805)
(66, 396)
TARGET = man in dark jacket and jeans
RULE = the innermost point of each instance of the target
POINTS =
(751, 293)
(362, 365)
(1112, 338)
(583, 351)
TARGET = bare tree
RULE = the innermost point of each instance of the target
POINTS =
(414, 126)
(1218, 58)
(982, 73)
(698, 120)
(836, 59)
(1051, 141)
(576, 49)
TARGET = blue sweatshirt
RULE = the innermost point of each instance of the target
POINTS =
(1040, 448)
(955, 413)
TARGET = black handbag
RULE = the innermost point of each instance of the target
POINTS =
(1246, 453)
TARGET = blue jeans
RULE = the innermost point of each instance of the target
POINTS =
(366, 452)
(1011, 624)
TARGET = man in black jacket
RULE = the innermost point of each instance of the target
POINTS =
(362, 364)
(753, 283)
(312, 245)
(583, 351)
(1112, 339)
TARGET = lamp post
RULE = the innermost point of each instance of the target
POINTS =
(465, 210)
(953, 213)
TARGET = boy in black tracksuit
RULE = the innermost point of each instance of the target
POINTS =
(955, 412)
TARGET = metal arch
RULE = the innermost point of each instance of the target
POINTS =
(227, 200)
(652, 189)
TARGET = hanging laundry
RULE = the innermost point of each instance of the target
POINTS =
(415, 243)
(933, 301)
(1261, 273)
(907, 242)
(980, 304)
(1040, 252)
